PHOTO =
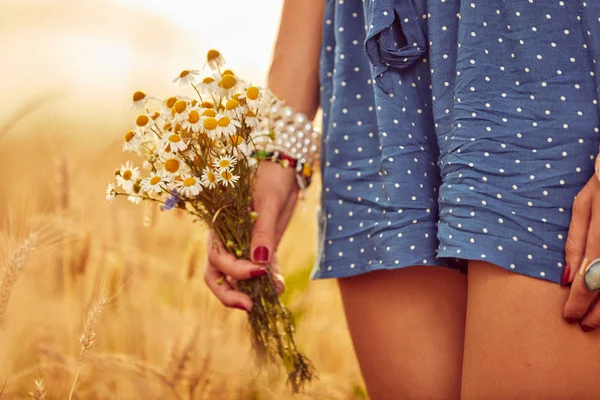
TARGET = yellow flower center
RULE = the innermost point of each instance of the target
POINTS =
(252, 93)
(174, 138)
(223, 122)
(137, 96)
(228, 72)
(250, 114)
(142, 120)
(194, 102)
(180, 106)
(127, 175)
(226, 175)
(129, 135)
(167, 126)
(231, 104)
(236, 140)
(171, 102)
(208, 104)
(208, 80)
(209, 113)
(172, 165)
(211, 177)
(191, 181)
(224, 163)
(193, 117)
(184, 73)
(210, 123)
(227, 81)
(212, 54)
(155, 180)
(155, 115)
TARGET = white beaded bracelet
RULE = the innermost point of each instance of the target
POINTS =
(295, 134)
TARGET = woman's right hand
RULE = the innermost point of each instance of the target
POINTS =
(274, 199)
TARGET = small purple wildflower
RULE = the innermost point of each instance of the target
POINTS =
(172, 202)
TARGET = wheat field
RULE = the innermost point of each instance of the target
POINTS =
(106, 300)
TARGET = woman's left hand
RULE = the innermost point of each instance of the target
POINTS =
(582, 248)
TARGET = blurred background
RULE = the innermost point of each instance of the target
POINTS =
(69, 69)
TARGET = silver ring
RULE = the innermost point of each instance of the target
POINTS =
(592, 275)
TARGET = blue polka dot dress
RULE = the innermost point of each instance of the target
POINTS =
(455, 130)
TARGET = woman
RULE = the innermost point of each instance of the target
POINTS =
(455, 134)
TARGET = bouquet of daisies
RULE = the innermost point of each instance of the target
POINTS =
(201, 155)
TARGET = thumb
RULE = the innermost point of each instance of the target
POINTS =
(577, 236)
(264, 231)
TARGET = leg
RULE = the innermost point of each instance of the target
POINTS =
(517, 345)
(407, 326)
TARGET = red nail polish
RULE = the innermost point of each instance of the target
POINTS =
(261, 254)
(571, 320)
(240, 306)
(258, 272)
(565, 275)
(586, 328)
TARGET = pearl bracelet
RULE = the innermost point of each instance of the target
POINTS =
(294, 134)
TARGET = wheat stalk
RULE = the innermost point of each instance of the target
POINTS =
(39, 391)
(62, 179)
(10, 273)
(192, 261)
(88, 337)
(78, 266)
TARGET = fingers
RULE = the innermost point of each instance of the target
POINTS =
(577, 236)
(581, 298)
(224, 291)
(272, 189)
(278, 278)
(227, 264)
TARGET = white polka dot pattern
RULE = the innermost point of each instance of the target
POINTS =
(455, 130)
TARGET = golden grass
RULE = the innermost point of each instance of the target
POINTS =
(162, 335)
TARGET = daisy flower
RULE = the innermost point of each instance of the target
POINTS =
(134, 199)
(139, 100)
(214, 59)
(227, 82)
(233, 109)
(172, 165)
(226, 177)
(128, 175)
(173, 143)
(208, 84)
(157, 182)
(132, 141)
(209, 112)
(210, 125)
(180, 110)
(239, 146)
(250, 119)
(253, 97)
(142, 123)
(227, 126)
(168, 104)
(111, 192)
(225, 162)
(186, 76)
(208, 180)
(192, 123)
(189, 186)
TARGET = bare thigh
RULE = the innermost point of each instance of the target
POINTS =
(407, 326)
(517, 345)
